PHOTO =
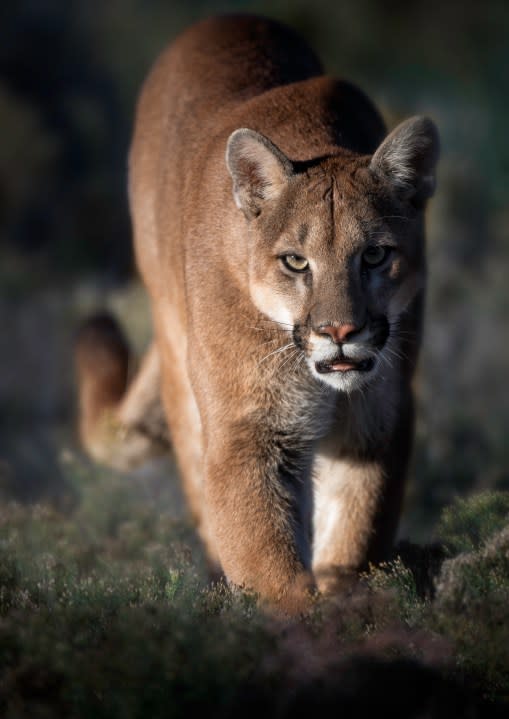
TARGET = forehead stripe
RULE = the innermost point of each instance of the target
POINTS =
(302, 234)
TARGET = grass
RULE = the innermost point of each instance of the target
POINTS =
(105, 612)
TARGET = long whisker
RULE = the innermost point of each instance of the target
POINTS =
(276, 351)
(396, 353)
(265, 329)
(274, 339)
(291, 357)
(385, 360)
(295, 366)
(278, 326)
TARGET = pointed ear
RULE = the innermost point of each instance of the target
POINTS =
(258, 168)
(407, 159)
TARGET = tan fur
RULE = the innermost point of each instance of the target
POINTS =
(118, 427)
(288, 395)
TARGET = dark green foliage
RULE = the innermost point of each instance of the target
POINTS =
(468, 523)
(470, 607)
(473, 595)
(105, 611)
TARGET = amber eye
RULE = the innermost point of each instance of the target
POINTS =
(295, 263)
(375, 255)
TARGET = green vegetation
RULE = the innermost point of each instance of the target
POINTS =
(469, 523)
(105, 611)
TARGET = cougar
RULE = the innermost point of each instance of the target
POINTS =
(280, 234)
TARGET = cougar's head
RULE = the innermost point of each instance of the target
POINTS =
(336, 245)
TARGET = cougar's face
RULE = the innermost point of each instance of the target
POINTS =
(337, 264)
(336, 247)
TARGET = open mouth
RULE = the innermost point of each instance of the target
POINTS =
(343, 364)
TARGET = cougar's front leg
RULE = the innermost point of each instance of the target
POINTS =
(357, 504)
(257, 497)
(347, 496)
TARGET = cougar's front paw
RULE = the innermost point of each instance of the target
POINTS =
(336, 580)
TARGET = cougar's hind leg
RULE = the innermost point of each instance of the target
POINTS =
(121, 422)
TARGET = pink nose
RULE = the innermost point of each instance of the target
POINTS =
(338, 334)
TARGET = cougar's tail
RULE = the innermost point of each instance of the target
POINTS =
(121, 420)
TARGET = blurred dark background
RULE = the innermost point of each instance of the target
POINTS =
(70, 71)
